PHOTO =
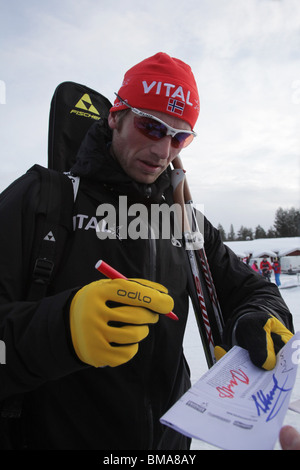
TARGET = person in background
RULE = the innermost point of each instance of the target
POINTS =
(255, 266)
(277, 271)
(266, 268)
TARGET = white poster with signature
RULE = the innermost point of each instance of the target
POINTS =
(236, 405)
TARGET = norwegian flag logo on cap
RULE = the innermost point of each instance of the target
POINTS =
(175, 106)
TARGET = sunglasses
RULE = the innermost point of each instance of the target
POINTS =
(155, 129)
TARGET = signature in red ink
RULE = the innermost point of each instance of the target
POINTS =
(236, 377)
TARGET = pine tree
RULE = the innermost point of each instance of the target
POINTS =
(287, 222)
(231, 234)
(271, 233)
(260, 232)
(222, 232)
(245, 233)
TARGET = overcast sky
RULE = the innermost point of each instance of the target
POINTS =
(245, 55)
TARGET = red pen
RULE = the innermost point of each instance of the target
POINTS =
(111, 273)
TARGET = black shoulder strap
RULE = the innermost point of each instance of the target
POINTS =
(54, 222)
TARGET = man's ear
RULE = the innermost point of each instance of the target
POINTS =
(112, 120)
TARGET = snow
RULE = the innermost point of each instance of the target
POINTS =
(197, 362)
(270, 246)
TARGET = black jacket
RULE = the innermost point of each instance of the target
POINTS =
(70, 405)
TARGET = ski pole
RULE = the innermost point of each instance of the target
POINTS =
(196, 291)
(210, 324)
(201, 252)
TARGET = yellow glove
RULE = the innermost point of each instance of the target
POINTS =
(220, 351)
(108, 318)
(262, 335)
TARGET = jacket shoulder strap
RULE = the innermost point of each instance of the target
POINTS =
(53, 224)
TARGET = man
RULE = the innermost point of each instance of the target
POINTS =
(277, 271)
(266, 268)
(99, 359)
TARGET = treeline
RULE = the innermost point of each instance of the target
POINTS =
(286, 224)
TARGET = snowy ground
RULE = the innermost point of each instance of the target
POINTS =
(197, 361)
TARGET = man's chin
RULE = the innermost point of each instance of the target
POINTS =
(146, 178)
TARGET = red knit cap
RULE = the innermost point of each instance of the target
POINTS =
(161, 83)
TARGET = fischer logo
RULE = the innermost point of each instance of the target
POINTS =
(169, 90)
(87, 108)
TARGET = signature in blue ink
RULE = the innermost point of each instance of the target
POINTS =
(272, 401)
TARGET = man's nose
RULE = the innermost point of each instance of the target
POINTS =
(162, 147)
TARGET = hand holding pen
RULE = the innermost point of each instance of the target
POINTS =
(109, 318)
(111, 273)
